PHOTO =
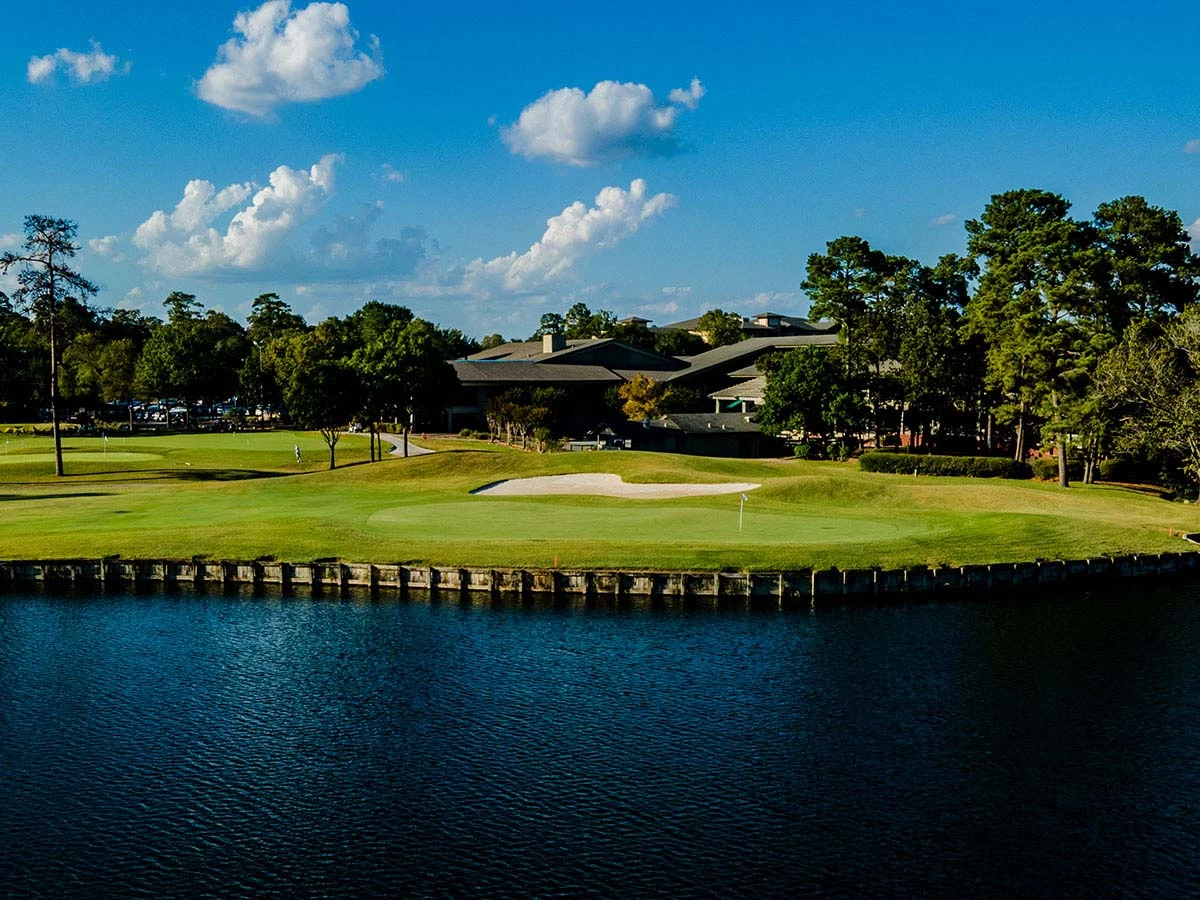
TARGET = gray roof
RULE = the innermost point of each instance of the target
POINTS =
(530, 372)
(652, 374)
(750, 371)
(532, 351)
(744, 390)
(528, 350)
(736, 356)
(749, 325)
(708, 423)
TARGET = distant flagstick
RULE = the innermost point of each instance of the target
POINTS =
(741, 506)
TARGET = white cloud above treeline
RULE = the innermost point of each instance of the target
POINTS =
(574, 234)
(613, 121)
(81, 68)
(279, 56)
(185, 241)
(108, 246)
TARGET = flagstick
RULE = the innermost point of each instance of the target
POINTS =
(741, 506)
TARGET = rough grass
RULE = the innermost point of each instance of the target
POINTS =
(244, 496)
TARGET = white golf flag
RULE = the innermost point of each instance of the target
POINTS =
(744, 497)
(105, 436)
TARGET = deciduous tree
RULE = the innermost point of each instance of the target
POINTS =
(720, 328)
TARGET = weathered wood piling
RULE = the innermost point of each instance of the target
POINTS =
(781, 589)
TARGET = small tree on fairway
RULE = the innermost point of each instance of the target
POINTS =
(402, 370)
(320, 390)
(44, 282)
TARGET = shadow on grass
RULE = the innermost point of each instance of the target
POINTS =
(201, 475)
(1146, 490)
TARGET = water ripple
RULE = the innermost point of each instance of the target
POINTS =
(191, 746)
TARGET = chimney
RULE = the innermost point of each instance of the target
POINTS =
(552, 343)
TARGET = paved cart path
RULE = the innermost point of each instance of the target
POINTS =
(397, 442)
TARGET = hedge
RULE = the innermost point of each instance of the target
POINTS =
(969, 466)
(1046, 468)
(1131, 470)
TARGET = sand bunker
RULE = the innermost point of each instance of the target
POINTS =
(606, 486)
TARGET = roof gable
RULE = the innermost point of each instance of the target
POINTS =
(735, 356)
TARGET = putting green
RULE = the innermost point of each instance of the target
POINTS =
(654, 521)
(80, 456)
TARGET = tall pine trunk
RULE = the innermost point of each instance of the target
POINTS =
(54, 422)
(1019, 452)
(1064, 444)
(54, 419)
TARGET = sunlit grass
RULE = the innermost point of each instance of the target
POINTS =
(244, 495)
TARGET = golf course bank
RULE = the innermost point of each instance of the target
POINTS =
(758, 589)
(476, 507)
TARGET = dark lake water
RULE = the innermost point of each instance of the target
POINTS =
(191, 746)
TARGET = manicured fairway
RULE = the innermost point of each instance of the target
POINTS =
(244, 496)
(72, 456)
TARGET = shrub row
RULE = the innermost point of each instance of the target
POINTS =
(969, 466)
(1046, 468)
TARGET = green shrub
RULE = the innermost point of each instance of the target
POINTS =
(1130, 470)
(968, 466)
(1046, 469)
(466, 433)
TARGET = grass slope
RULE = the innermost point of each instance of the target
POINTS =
(244, 496)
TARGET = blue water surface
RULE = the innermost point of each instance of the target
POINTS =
(211, 746)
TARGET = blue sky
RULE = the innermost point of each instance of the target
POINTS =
(483, 164)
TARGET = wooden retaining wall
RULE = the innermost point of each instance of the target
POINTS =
(798, 588)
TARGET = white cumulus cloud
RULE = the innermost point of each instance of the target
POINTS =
(109, 245)
(185, 242)
(1194, 234)
(575, 233)
(280, 56)
(939, 221)
(1192, 146)
(612, 121)
(81, 68)
(764, 300)
(689, 96)
(668, 308)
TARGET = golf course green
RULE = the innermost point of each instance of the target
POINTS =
(240, 496)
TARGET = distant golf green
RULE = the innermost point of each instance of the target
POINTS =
(112, 456)
(244, 496)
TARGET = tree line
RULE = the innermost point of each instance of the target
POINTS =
(379, 364)
(1077, 335)
(1050, 332)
